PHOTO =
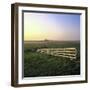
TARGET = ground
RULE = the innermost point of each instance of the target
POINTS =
(40, 64)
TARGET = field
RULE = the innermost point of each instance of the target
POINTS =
(41, 64)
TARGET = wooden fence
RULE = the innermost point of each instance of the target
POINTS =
(62, 52)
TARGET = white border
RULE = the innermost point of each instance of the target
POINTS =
(51, 78)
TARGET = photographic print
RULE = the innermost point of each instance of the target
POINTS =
(50, 44)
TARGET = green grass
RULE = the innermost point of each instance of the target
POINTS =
(37, 64)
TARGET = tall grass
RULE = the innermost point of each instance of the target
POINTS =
(39, 64)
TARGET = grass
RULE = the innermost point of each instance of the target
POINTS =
(37, 64)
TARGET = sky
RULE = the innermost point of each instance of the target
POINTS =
(51, 26)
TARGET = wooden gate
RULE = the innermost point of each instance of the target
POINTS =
(61, 52)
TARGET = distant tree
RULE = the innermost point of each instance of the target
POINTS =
(46, 40)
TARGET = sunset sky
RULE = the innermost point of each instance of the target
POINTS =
(41, 26)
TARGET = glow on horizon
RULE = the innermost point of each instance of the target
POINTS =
(41, 26)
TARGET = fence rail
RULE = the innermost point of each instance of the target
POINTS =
(61, 52)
